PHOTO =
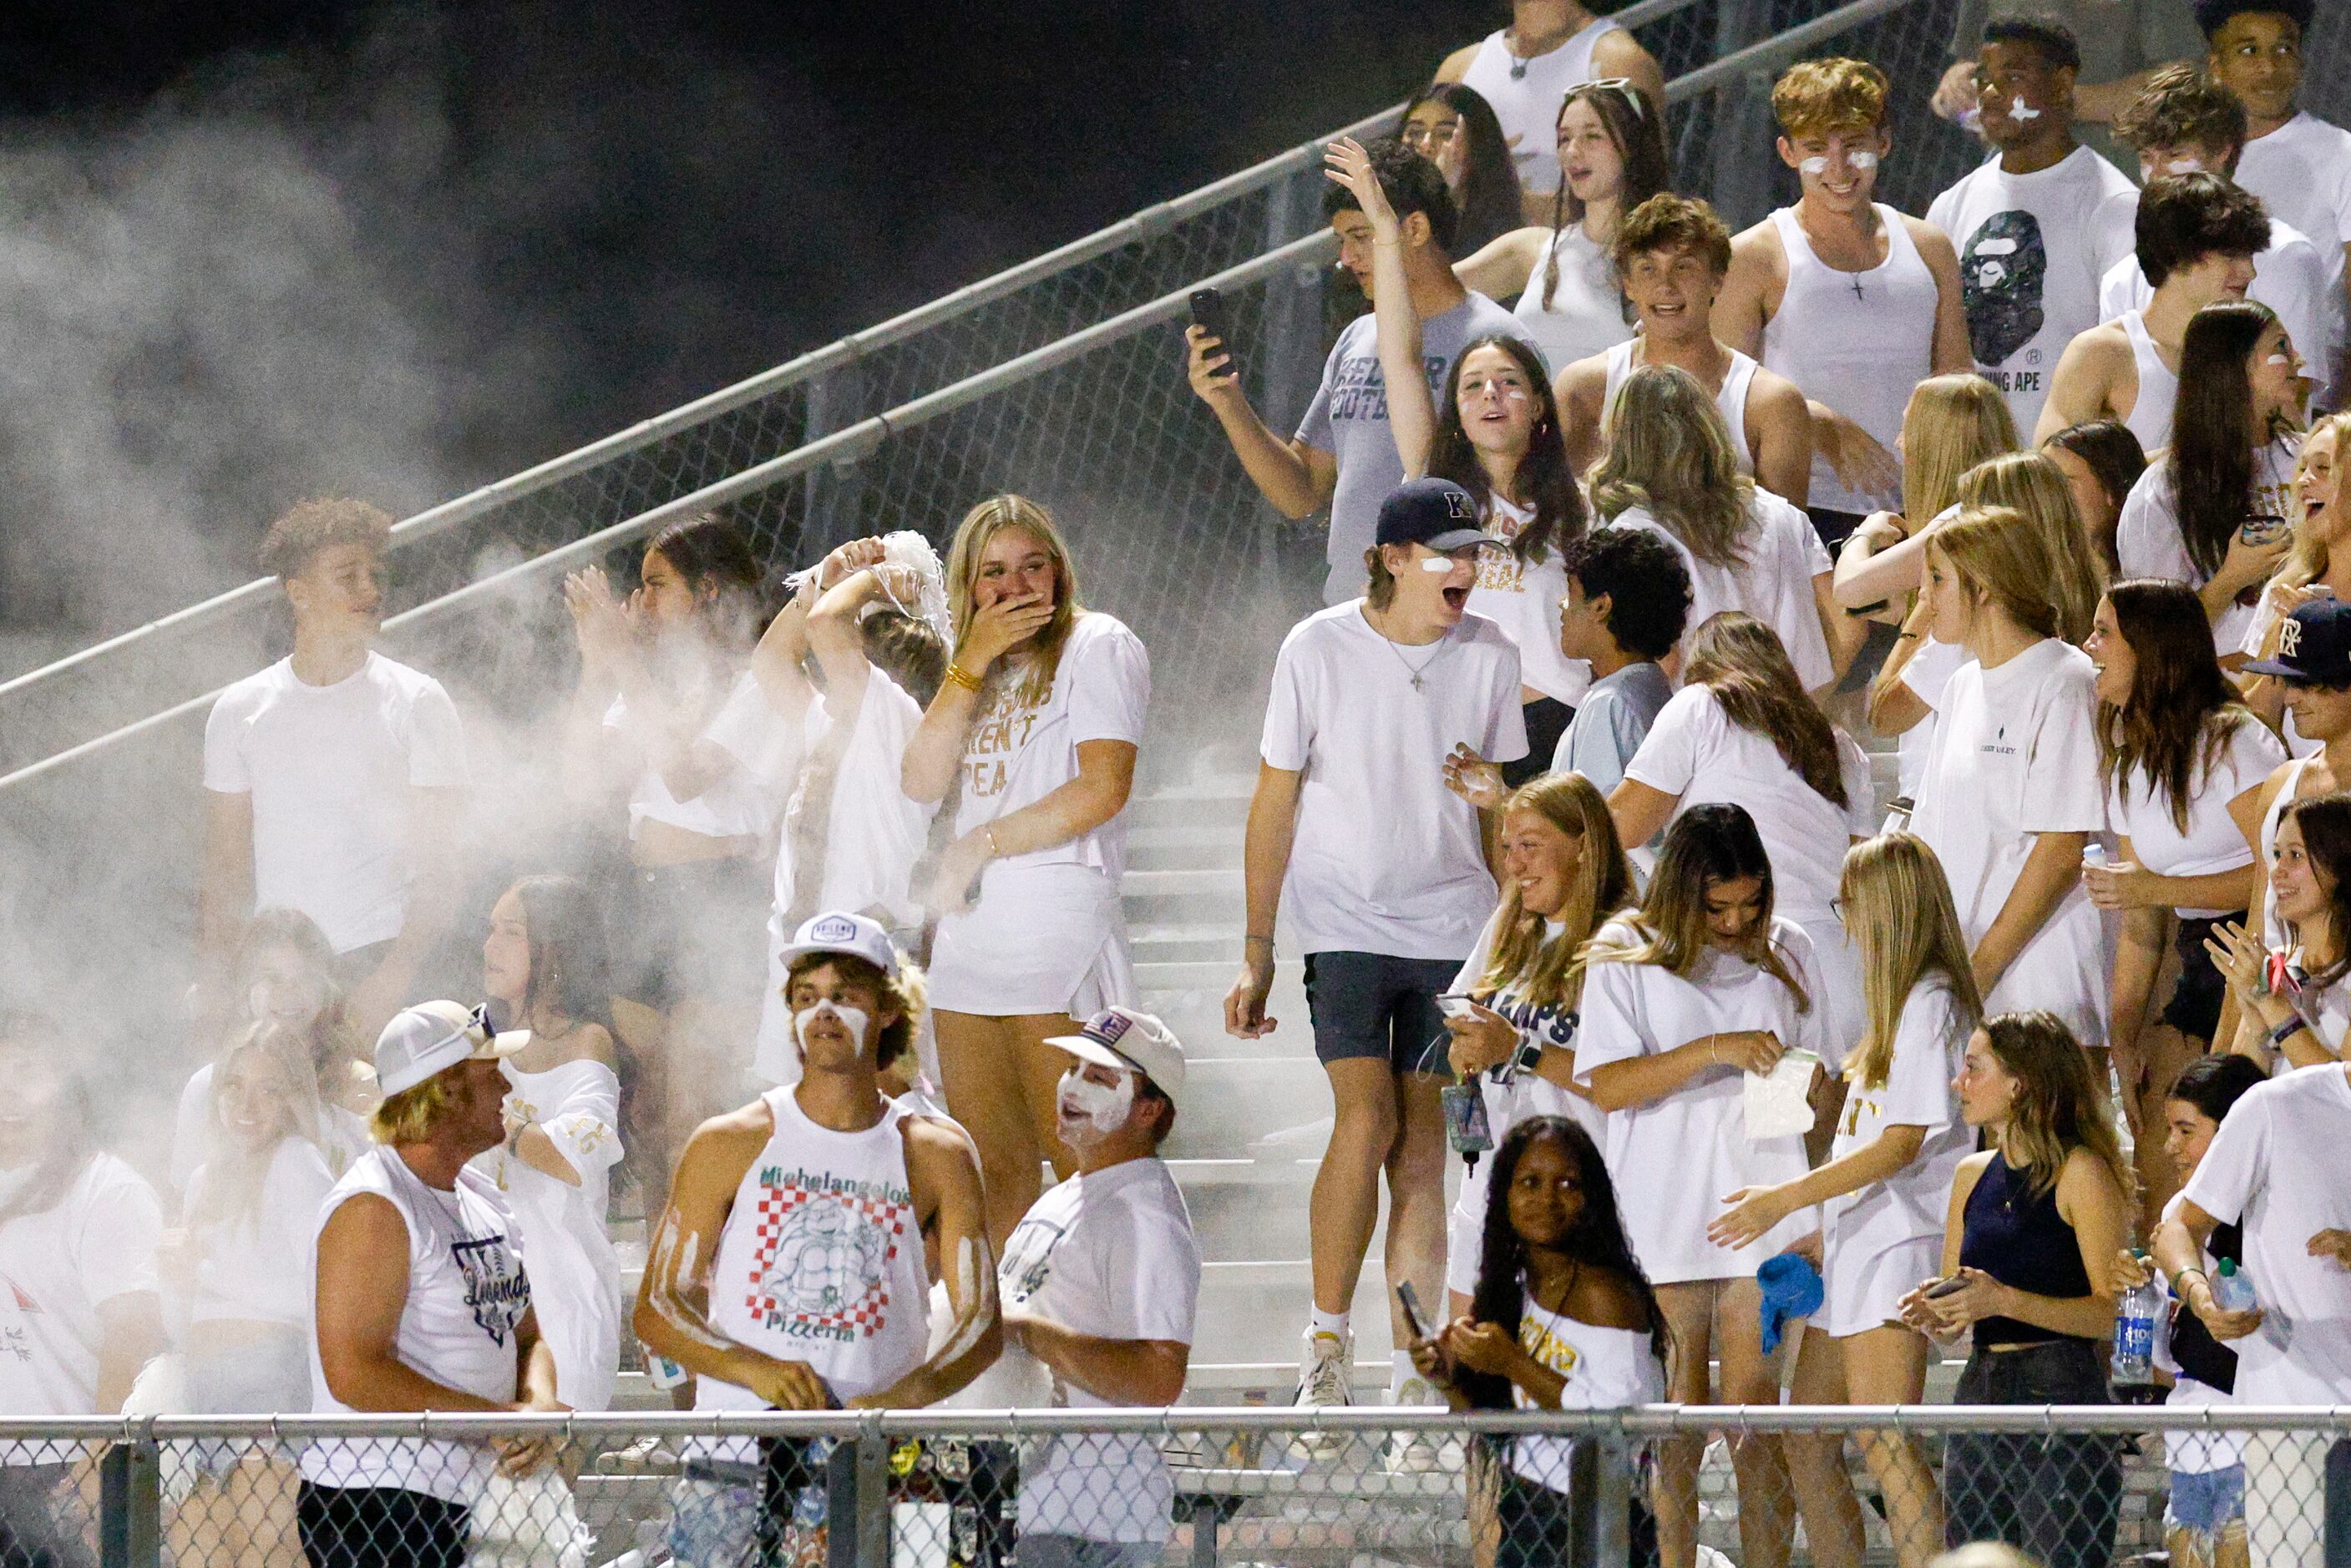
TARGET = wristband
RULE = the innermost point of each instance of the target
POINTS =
(2181, 1279)
(2293, 1026)
(958, 676)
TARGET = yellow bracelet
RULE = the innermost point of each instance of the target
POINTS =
(958, 676)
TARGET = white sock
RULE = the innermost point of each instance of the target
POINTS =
(1400, 1372)
(1331, 1322)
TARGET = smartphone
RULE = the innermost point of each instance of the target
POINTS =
(1209, 315)
(1415, 1319)
(1452, 1005)
(1942, 1288)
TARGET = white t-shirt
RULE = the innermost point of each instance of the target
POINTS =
(1016, 753)
(344, 1132)
(1385, 859)
(254, 1269)
(1929, 670)
(873, 834)
(329, 770)
(2273, 1167)
(2212, 842)
(747, 799)
(58, 1267)
(1109, 1254)
(2148, 543)
(1523, 597)
(1606, 1369)
(1914, 1201)
(1694, 752)
(1674, 1158)
(2302, 173)
(2032, 248)
(2293, 277)
(2015, 754)
(1774, 584)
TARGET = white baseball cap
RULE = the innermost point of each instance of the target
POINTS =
(854, 935)
(1132, 1041)
(434, 1036)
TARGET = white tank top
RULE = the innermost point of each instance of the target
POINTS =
(465, 1293)
(1586, 314)
(2158, 388)
(822, 1260)
(1527, 95)
(1731, 401)
(1858, 341)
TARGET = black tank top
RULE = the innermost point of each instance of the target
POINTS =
(2023, 1242)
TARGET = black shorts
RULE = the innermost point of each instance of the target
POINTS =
(380, 1527)
(1547, 719)
(2195, 1006)
(1372, 1006)
(692, 930)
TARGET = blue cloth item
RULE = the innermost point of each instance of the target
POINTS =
(1792, 1289)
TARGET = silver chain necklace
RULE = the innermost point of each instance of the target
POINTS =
(1417, 671)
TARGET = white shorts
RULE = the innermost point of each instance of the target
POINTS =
(1042, 940)
(1867, 1281)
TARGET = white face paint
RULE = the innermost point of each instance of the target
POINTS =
(1815, 166)
(2019, 110)
(1437, 566)
(852, 1019)
(1089, 1112)
(1860, 161)
(1864, 160)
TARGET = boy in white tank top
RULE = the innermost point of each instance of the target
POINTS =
(1851, 301)
(1526, 70)
(791, 1269)
(1671, 254)
(2197, 237)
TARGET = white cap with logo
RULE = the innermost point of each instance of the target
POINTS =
(1123, 1038)
(434, 1036)
(854, 935)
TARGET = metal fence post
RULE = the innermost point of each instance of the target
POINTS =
(1742, 149)
(1289, 365)
(130, 1505)
(834, 493)
(1600, 1501)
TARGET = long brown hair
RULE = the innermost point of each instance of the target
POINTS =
(1898, 906)
(2214, 437)
(2059, 1105)
(1635, 123)
(1703, 845)
(1669, 453)
(1547, 971)
(1995, 552)
(2325, 824)
(1544, 476)
(1037, 666)
(2031, 485)
(2182, 711)
(1740, 660)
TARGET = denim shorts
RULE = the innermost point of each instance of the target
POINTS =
(2204, 1500)
(1371, 1005)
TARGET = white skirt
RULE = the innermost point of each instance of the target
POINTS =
(1042, 940)
(1867, 1277)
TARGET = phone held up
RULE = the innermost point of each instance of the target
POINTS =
(1209, 315)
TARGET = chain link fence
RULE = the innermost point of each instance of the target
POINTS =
(2071, 1487)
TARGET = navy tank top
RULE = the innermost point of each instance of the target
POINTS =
(2019, 1240)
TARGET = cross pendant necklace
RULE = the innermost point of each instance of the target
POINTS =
(1856, 288)
(1417, 671)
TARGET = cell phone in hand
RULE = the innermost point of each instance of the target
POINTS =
(1454, 1005)
(1209, 315)
(1946, 1287)
(1414, 1318)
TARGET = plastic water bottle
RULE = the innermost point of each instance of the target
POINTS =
(2092, 854)
(2230, 1289)
(2134, 1362)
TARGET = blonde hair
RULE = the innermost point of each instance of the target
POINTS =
(1830, 97)
(2306, 562)
(1898, 904)
(1952, 424)
(1997, 554)
(2028, 484)
(1669, 453)
(234, 1175)
(1548, 971)
(1036, 669)
(412, 1115)
(2059, 1105)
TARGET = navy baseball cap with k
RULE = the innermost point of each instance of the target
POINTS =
(2313, 645)
(1436, 513)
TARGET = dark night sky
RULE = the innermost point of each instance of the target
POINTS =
(666, 196)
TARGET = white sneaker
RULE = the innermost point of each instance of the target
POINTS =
(1322, 1381)
(1420, 1453)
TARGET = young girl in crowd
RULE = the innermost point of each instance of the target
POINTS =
(1669, 467)
(2302, 1023)
(2010, 792)
(1741, 731)
(544, 969)
(1682, 997)
(2029, 1246)
(669, 713)
(1951, 424)
(2183, 763)
(2100, 461)
(1899, 1144)
(1612, 148)
(1034, 729)
(1563, 873)
(873, 616)
(2312, 665)
(284, 974)
(2211, 511)
(2204, 1518)
(2321, 522)
(1497, 432)
(1561, 1319)
(1454, 128)
(237, 1270)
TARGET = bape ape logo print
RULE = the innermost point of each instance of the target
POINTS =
(2001, 274)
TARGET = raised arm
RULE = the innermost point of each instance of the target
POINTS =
(840, 647)
(1412, 413)
(929, 769)
(940, 1158)
(1506, 264)
(1296, 478)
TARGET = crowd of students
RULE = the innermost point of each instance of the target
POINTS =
(1560, 801)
